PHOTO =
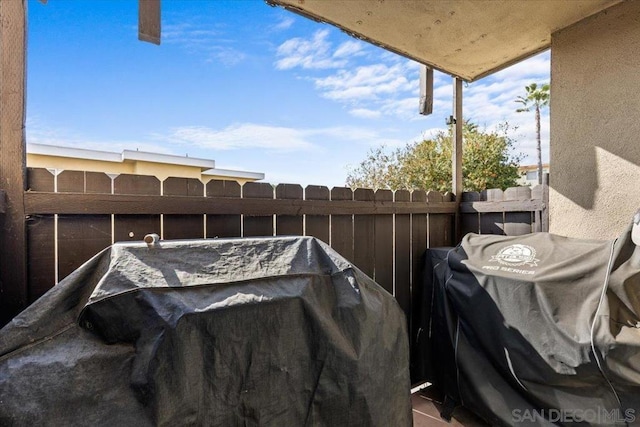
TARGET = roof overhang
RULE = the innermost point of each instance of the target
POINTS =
(465, 38)
(228, 173)
(124, 156)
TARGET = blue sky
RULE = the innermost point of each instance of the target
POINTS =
(251, 86)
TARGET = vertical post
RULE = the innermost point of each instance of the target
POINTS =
(13, 236)
(456, 157)
(426, 90)
(545, 200)
(149, 26)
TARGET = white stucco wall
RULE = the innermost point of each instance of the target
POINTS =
(595, 124)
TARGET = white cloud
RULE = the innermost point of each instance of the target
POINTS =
(364, 82)
(370, 83)
(347, 133)
(349, 48)
(365, 113)
(365, 136)
(430, 133)
(209, 42)
(273, 138)
(38, 133)
(186, 33)
(225, 55)
(382, 84)
(374, 90)
(285, 23)
(189, 35)
(241, 136)
(535, 67)
(307, 54)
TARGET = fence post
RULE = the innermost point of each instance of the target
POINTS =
(517, 223)
(492, 223)
(545, 200)
(13, 239)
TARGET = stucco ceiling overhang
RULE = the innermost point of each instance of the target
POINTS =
(465, 38)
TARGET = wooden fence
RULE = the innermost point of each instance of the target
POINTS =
(512, 212)
(72, 215)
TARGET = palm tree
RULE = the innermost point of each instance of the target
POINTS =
(537, 98)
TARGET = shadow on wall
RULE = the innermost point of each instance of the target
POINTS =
(598, 170)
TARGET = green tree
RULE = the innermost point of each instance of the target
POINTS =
(487, 162)
(536, 98)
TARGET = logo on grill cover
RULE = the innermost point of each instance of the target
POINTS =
(515, 255)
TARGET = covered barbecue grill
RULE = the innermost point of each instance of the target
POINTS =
(537, 329)
(264, 331)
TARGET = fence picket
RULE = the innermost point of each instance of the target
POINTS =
(342, 225)
(517, 223)
(174, 186)
(97, 182)
(41, 259)
(80, 237)
(419, 239)
(470, 222)
(40, 179)
(70, 182)
(289, 225)
(317, 225)
(183, 226)
(224, 225)
(364, 235)
(492, 223)
(537, 192)
(257, 225)
(403, 257)
(136, 184)
(135, 227)
(383, 244)
(439, 224)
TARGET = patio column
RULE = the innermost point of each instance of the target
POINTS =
(13, 236)
(457, 138)
(456, 157)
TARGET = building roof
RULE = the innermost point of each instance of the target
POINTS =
(206, 166)
(229, 173)
(525, 168)
(124, 156)
(465, 38)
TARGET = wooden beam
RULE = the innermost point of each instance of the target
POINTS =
(13, 258)
(149, 27)
(94, 204)
(426, 90)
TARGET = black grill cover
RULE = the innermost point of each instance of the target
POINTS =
(541, 329)
(245, 332)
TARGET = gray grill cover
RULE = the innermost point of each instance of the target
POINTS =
(245, 332)
(543, 329)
